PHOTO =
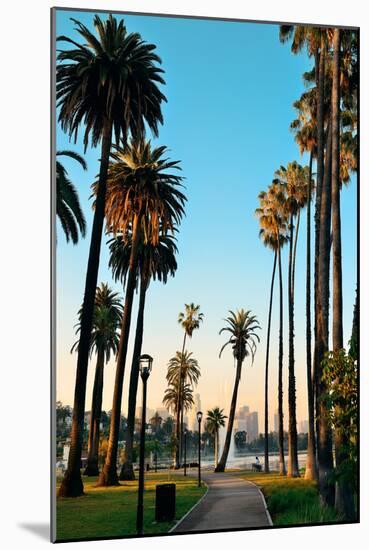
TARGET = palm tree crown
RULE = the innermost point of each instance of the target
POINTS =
(190, 319)
(68, 208)
(215, 419)
(183, 367)
(171, 399)
(140, 187)
(294, 180)
(242, 326)
(107, 319)
(111, 77)
(154, 261)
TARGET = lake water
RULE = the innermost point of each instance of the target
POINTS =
(246, 461)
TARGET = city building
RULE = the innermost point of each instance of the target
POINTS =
(276, 422)
(192, 424)
(163, 412)
(303, 427)
(252, 426)
(248, 422)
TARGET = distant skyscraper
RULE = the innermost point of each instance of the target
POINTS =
(303, 427)
(252, 424)
(195, 409)
(247, 421)
(276, 422)
(243, 411)
(163, 412)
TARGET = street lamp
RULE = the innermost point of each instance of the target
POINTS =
(199, 418)
(185, 453)
(145, 369)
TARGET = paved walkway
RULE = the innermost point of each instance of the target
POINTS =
(230, 503)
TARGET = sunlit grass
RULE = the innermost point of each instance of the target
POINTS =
(111, 511)
(291, 501)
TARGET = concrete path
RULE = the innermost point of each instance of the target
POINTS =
(230, 503)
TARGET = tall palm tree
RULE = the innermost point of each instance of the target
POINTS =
(295, 181)
(343, 498)
(242, 326)
(190, 321)
(109, 83)
(144, 199)
(183, 370)
(154, 262)
(214, 421)
(273, 221)
(68, 208)
(271, 243)
(104, 342)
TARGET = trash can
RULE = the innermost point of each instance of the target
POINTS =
(165, 502)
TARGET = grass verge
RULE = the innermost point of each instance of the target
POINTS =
(111, 511)
(291, 501)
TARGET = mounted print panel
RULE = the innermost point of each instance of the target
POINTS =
(205, 241)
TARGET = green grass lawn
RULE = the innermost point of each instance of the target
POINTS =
(291, 501)
(111, 511)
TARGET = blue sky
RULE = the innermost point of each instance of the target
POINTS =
(230, 88)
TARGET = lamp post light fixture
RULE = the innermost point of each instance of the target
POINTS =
(145, 369)
(185, 453)
(199, 418)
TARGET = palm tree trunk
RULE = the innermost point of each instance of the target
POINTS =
(72, 485)
(311, 468)
(282, 465)
(223, 460)
(178, 413)
(318, 200)
(293, 468)
(266, 408)
(108, 475)
(294, 254)
(127, 472)
(324, 439)
(216, 441)
(92, 466)
(344, 499)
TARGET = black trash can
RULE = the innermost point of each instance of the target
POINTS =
(165, 503)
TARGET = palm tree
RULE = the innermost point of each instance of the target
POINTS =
(183, 367)
(189, 320)
(154, 262)
(68, 208)
(215, 419)
(295, 181)
(343, 498)
(143, 199)
(104, 342)
(269, 242)
(170, 399)
(110, 83)
(242, 326)
(183, 370)
(273, 221)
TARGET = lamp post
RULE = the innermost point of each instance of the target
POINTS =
(145, 369)
(185, 453)
(199, 418)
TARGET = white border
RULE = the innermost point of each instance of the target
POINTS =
(25, 275)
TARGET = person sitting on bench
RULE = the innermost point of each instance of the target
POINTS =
(256, 466)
